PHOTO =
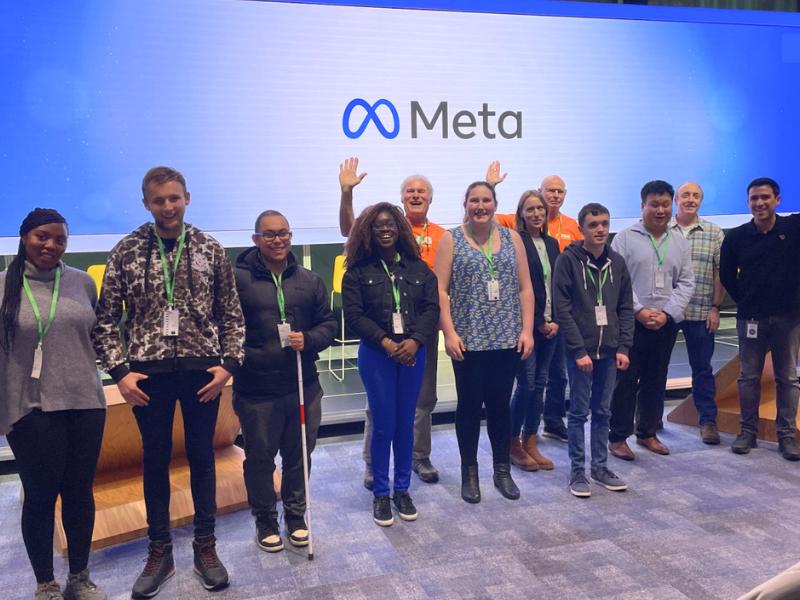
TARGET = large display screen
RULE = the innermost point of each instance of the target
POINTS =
(258, 103)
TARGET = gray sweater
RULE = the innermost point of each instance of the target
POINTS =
(69, 378)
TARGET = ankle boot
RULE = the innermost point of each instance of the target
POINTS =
(470, 488)
(504, 483)
(521, 459)
(529, 446)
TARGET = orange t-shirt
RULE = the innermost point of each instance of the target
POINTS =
(565, 230)
(506, 220)
(428, 244)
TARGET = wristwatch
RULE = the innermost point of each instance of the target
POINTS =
(717, 306)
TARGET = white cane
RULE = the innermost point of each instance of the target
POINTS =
(305, 453)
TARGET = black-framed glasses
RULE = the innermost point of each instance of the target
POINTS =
(283, 235)
(388, 223)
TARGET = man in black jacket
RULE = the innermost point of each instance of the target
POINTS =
(286, 311)
(594, 307)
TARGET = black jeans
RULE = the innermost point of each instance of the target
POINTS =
(56, 453)
(485, 378)
(155, 425)
(269, 427)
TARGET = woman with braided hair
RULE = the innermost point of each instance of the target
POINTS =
(52, 406)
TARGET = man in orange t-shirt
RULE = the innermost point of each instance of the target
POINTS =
(416, 194)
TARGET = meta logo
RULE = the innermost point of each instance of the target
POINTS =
(509, 123)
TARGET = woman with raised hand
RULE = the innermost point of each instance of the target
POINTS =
(52, 405)
(390, 301)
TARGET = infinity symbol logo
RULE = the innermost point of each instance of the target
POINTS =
(371, 116)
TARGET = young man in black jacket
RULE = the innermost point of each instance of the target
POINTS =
(593, 298)
(286, 310)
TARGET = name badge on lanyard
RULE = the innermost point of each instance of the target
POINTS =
(284, 329)
(660, 275)
(493, 290)
(752, 330)
(397, 323)
(171, 322)
(660, 279)
(600, 315)
(36, 370)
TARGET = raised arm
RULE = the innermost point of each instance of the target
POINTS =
(348, 179)
(493, 173)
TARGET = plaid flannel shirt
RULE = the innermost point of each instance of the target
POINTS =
(705, 239)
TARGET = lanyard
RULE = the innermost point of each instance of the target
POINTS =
(281, 301)
(488, 255)
(594, 283)
(169, 282)
(56, 286)
(655, 246)
(395, 288)
(544, 262)
(421, 238)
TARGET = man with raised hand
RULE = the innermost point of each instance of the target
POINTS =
(760, 268)
(702, 314)
(416, 195)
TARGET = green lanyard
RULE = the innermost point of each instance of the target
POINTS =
(281, 302)
(488, 255)
(421, 238)
(655, 246)
(169, 282)
(594, 283)
(395, 288)
(43, 330)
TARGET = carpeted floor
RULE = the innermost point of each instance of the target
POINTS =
(701, 523)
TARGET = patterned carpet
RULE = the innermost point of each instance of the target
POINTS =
(701, 524)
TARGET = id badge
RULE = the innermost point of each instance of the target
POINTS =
(37, 362)
(172, 317)
(752, 330)
(397, 323)
(600, 315)
(660, 278)
(284, 329)
(493, 290)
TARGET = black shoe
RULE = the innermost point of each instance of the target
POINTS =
(470, 487)
(382, 511)
(789, 448)
(158, 569)
(743, 442)
(405, 507)
(268, 537)
(208, 566)
(558, 432)
(369, 482)
(504, 482)
(426, 471)
(297, 530)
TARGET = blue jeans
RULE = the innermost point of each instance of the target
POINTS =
(528, 398)
(392, 392)
(782, 336)
(700, 348)
(591, 391)
(555, 398)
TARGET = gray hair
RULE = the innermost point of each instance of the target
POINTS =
(410, 177)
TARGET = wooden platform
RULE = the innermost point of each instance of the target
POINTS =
(727, 400)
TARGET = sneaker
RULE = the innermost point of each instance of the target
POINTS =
(602, 476)
(789, 448)
(709, 434)
(382, 511)
(578, 484)
(268, 537)
(405, 507)
(208, 565)
(743, 442)
(49, 592)
(426, 471)
(80, 587)
(158, 569)
(369, 482)
(559, 432)
(297, 530)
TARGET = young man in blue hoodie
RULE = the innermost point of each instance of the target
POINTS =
(593, 299)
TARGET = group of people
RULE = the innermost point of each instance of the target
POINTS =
(525, 301)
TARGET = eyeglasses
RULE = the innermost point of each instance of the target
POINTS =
(283, 235)
(388, 224)
(555, 191)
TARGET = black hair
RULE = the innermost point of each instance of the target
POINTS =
(764, 181)
(9, 311)
(268, 213)
(657, 188)
(595, 209)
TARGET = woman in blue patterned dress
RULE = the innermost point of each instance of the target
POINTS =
(486, 303)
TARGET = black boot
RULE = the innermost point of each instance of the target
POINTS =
(504, 483)
(470, 488)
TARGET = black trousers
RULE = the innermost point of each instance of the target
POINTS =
(485, 378)
(639, 390)
(56, 454)
(155, 425)
(268, 428)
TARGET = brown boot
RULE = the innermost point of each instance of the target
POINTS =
(529, 445)
(520, 458)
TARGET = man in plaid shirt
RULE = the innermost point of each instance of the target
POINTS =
(702, 314)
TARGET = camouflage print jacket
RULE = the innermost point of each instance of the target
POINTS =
(211, 322)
